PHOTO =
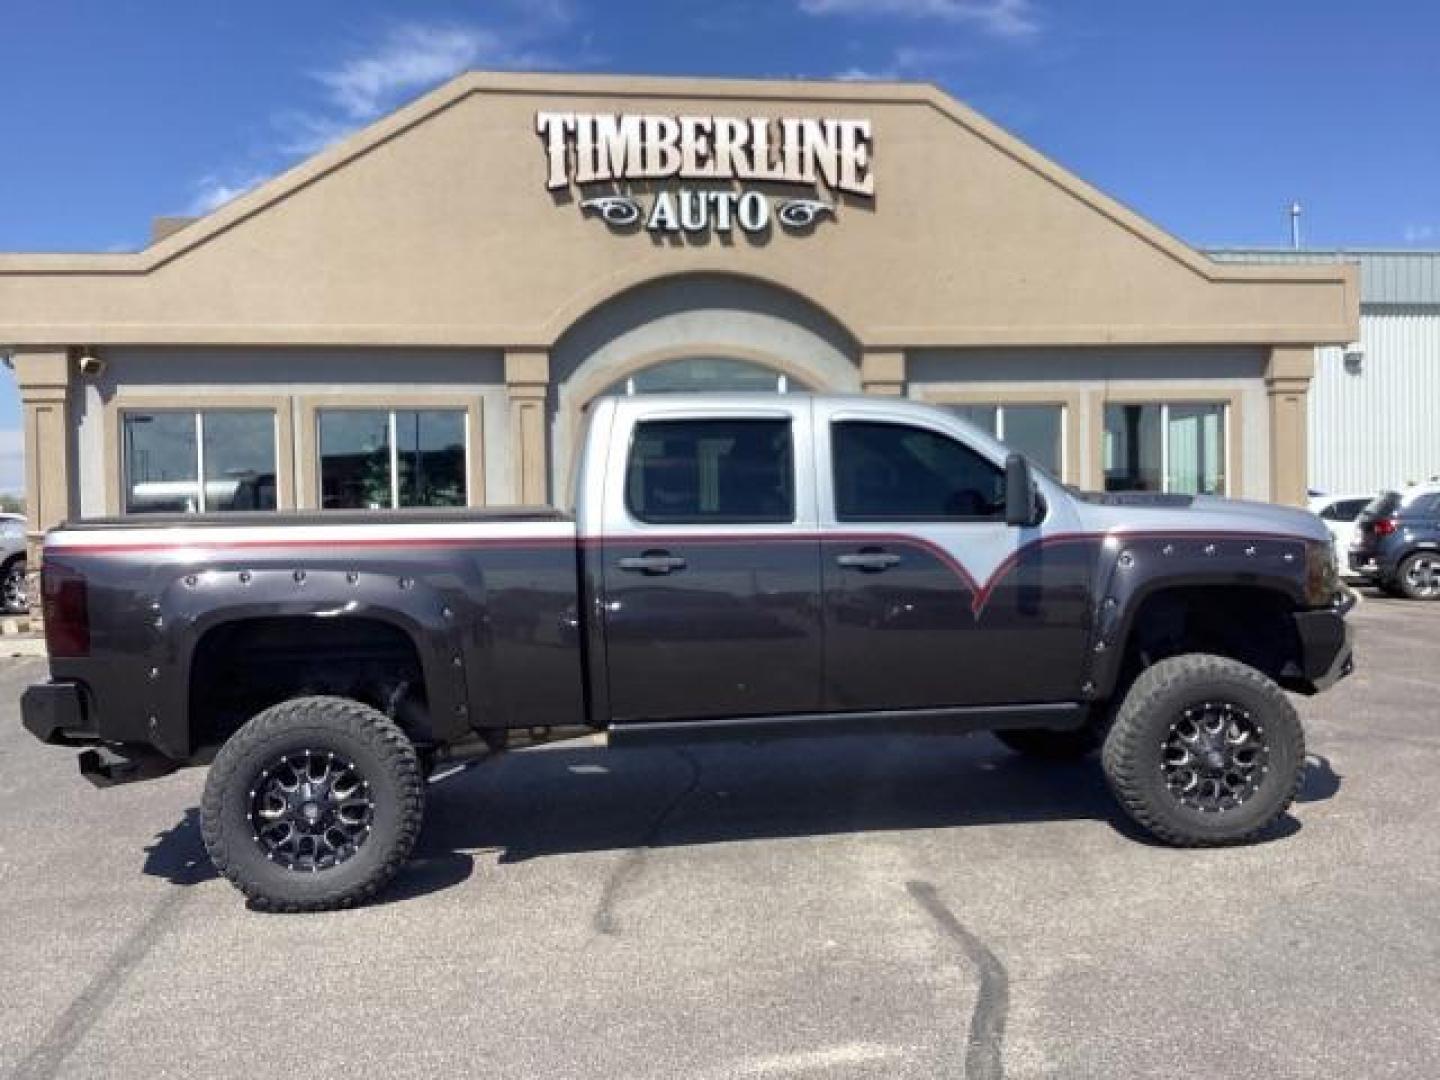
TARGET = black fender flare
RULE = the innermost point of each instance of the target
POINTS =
(1132, 570)
(192, 605)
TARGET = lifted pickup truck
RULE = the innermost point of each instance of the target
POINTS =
(736, 566)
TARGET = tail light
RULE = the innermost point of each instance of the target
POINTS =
(65, 605)
(1384, 526)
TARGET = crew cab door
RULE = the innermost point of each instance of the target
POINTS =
(931, 599)
(710, 566)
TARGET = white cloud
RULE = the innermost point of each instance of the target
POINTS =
(1002, 18)
(415, 56)
(408, 59)
(1417, 235)
(412, 58)
(12, 462)
(305, 133)
(906, 62)
(213, 192)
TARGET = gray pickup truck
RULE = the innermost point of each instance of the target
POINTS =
(738, 566)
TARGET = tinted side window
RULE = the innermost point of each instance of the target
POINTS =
(711, 472)
(891, 472)
(1344, 510)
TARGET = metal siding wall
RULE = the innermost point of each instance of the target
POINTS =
(1380, 428)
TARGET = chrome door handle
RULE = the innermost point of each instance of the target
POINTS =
(652, 562)
(872, 562)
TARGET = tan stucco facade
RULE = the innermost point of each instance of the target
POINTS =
(977, 269)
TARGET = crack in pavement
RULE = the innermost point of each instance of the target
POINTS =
(91, 1003)
(630, 866)
(984, 1046)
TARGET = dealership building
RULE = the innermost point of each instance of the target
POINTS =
(421, 314)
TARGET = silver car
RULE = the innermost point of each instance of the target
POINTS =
(13, 596)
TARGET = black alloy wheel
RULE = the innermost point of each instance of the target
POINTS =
(1215, 757)
(1204, 750)
(314, 804)
(311, 810)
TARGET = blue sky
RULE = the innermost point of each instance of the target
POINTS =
(1207, 117)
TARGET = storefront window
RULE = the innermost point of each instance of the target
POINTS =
(1037, 431)
(694, 374)
(379, 459)
(166, 453)
(1163, 447)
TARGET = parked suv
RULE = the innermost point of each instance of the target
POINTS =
(13, 598)
(1340, 513)
(1397, 542)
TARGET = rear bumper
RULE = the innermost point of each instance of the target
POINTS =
(1363, 563)
(1327, 652)
(55, 713)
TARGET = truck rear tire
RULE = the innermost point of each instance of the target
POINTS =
(1204, 751)
(1051, 745)
(314, 804)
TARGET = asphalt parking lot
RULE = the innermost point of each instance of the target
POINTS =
(918, 907)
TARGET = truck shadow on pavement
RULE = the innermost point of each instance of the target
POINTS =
(570, 798)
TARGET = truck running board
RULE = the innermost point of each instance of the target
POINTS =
(1061, 716)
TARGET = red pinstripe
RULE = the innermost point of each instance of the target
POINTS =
(980, 591)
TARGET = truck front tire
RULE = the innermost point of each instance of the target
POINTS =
(314, 804)
(1204, 751)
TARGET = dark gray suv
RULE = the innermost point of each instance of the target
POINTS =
(1397, 542)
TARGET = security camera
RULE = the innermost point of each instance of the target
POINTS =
(91, 366)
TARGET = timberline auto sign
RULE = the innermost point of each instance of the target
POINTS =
(824, 156)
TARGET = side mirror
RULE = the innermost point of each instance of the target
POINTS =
(1022, 501)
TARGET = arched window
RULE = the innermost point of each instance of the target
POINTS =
(693, 374)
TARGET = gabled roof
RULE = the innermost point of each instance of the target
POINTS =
(293, 276)
(444, 97)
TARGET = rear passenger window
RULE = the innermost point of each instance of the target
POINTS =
(1344, 510)
(687, 472)
(1350, 509)
(892, 472)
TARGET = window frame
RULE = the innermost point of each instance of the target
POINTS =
(640, 521)
(836, 422)
(468, 457)
(124, 409)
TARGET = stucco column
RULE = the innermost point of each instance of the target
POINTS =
(1287, 383)
(43, 376)
(527, 381)
(882, 371)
